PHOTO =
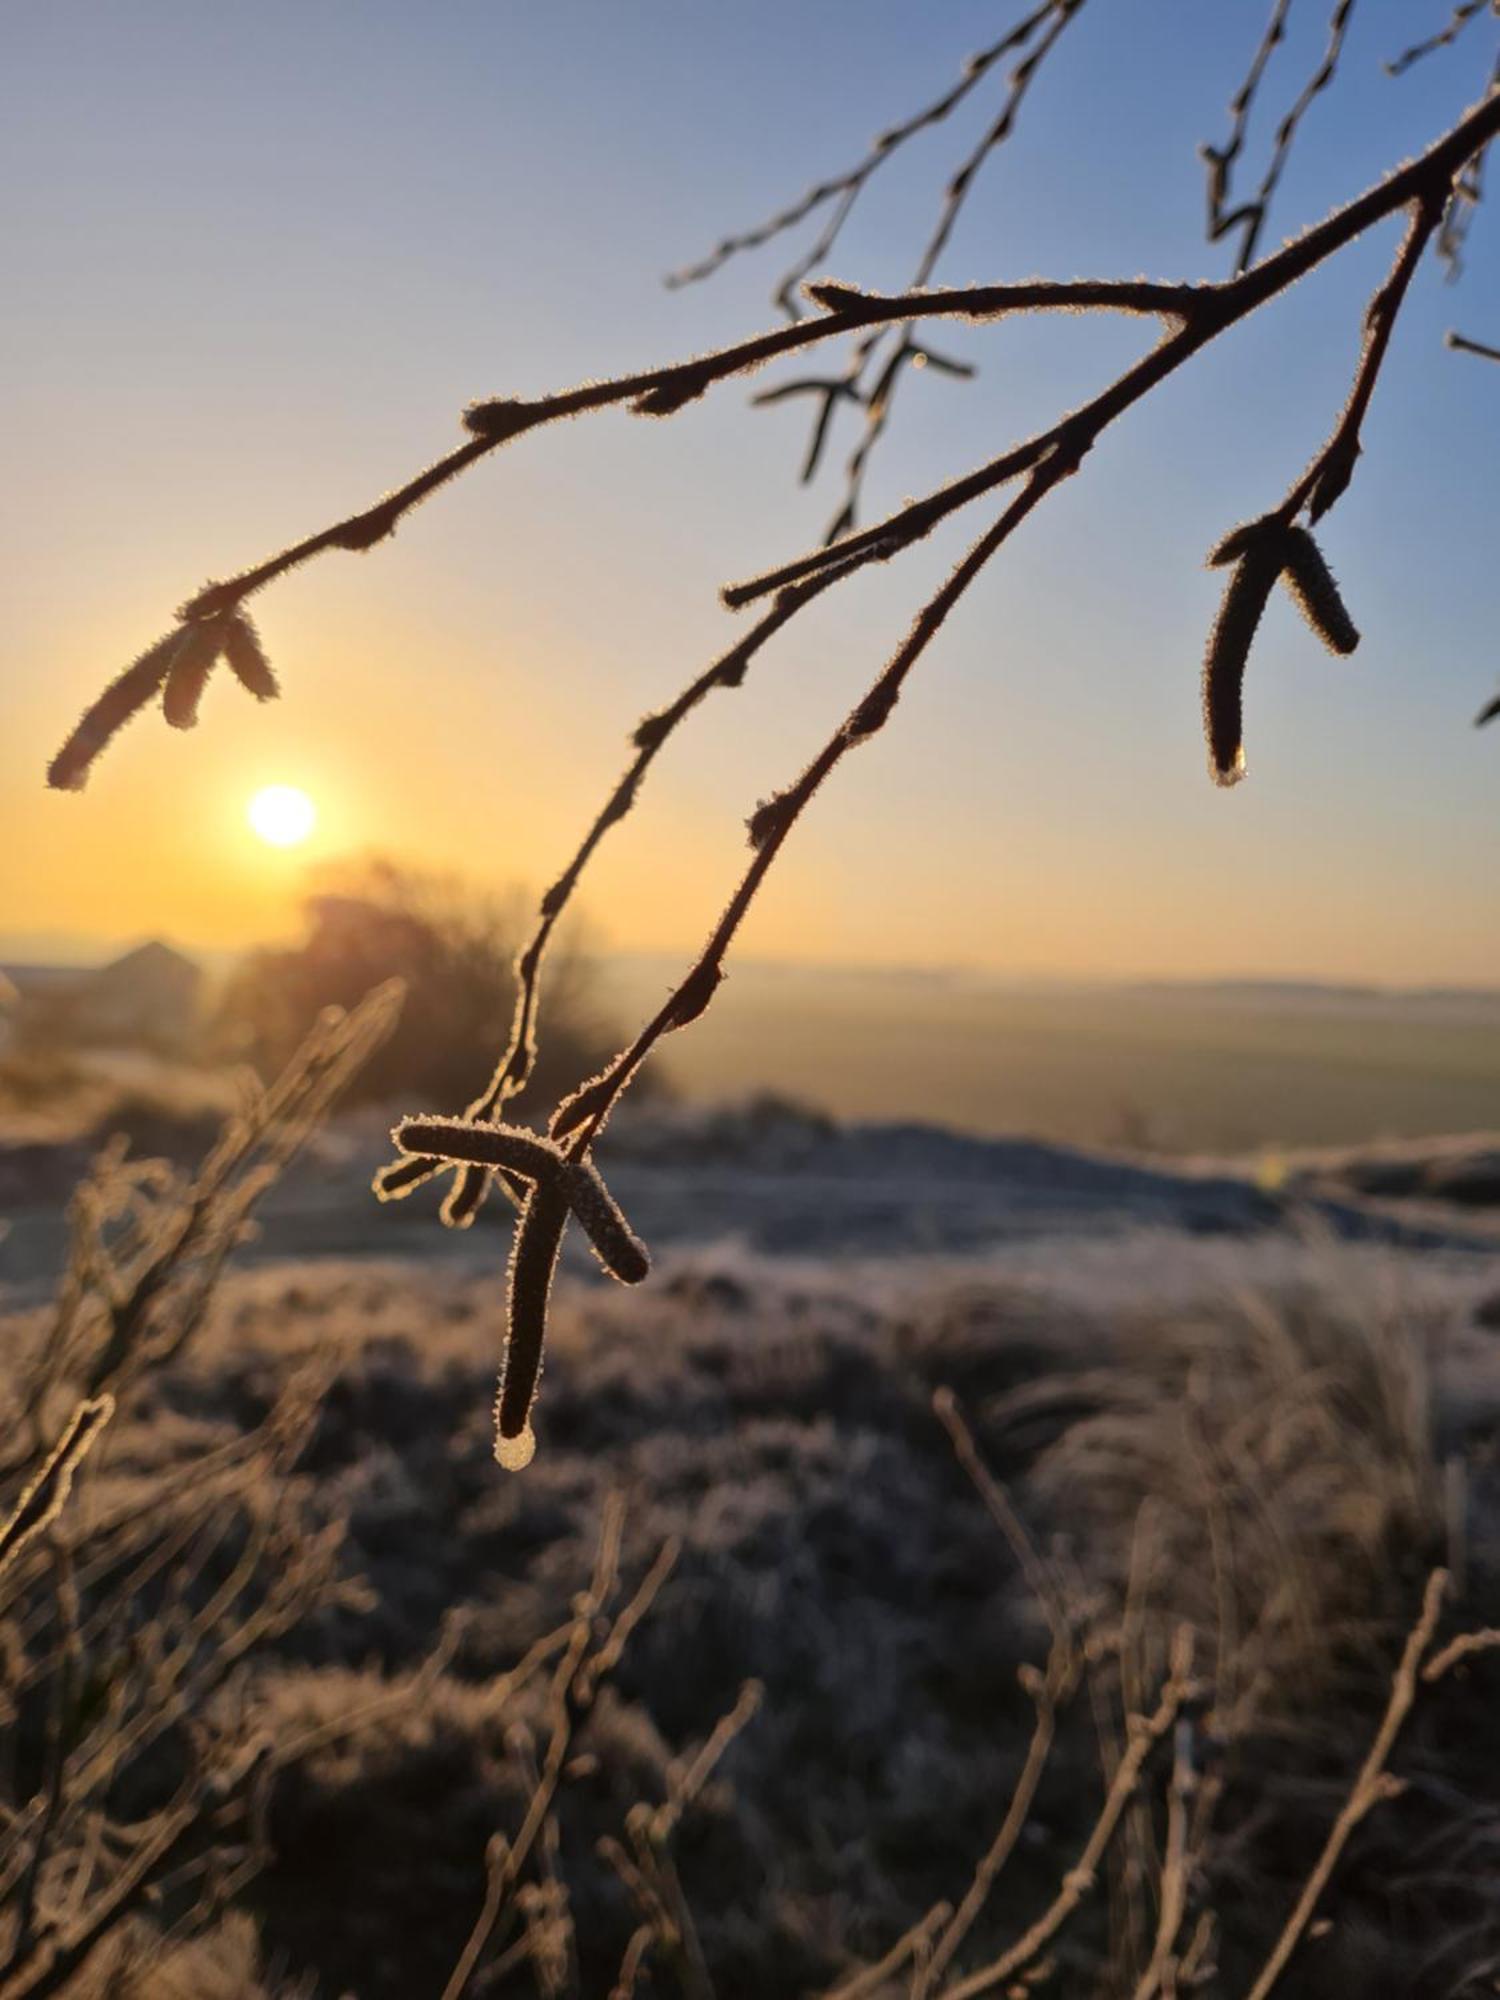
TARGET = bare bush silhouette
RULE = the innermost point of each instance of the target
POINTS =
(146, 1769)
(123, 1626)
(1434, 194)
(451, 946)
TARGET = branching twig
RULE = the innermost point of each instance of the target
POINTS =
(1286, 131)
(843, 190)
(1220, 160)
(1192, 316)
(655, 392)
(1145, 1733)
(878, 397)
(1464, 12)
(1195, 315)
(872, 1979)
(1050, 1691)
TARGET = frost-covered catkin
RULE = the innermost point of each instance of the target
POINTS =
(615, 1243)
(480, 1144)
(1228, 651)
(400, 1177)
(1313, 590)
(247, 658)
(511, 1149)
(533, 1262)
(462, 1202)
(198, 650)
(125, 696)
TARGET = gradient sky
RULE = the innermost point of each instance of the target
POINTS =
(259, 257)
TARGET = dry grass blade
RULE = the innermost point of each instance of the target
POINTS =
(47, 1495)
(1040, 1579)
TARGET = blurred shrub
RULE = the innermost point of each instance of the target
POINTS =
(453, 947)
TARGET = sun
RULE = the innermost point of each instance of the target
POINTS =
(282, 815)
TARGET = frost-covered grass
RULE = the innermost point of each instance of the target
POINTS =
(1261, 1438)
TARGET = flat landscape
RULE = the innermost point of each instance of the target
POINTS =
(1186, 1068)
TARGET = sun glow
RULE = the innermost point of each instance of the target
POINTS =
(282, 815)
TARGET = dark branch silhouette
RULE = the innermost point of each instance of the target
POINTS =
(553, 1180)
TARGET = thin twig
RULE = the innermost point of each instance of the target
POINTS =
(1286, 132)
(1372, 1786)
(1220, 160)
(1050, 1691)
(1464, 345)
(1172, 1890)
(1043, 1584)
(580, 1118)
(1465, 1647)
(910, 1945)
(1144, 1734)
(1463, 13)
(879, 397)
(843, 190)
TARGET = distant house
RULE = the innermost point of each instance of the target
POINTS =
(149, 999)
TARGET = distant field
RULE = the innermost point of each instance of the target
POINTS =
(1189, 1068)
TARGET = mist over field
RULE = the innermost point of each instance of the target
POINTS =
(1186, 1067)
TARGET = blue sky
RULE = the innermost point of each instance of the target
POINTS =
(260, 257)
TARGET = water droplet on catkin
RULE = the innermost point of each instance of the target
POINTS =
(516, 1453)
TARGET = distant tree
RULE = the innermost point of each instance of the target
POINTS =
(451, 945)
(1434, 195)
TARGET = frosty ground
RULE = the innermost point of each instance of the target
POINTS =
(1261, 1400)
